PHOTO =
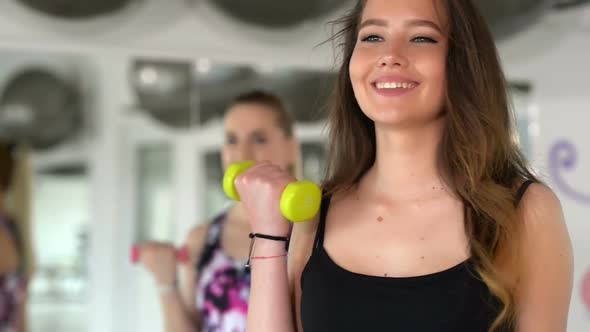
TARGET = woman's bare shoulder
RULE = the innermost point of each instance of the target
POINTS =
(196, 238)
(9, 258)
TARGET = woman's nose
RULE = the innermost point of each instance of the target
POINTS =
(394, 57)
(244, 152)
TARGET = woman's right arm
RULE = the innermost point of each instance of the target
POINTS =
(269, 308)
(284, 311)
(271, 302)
(177, 303)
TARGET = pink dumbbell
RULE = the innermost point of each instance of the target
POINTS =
(181, 254)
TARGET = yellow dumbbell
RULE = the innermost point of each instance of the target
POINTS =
(300, 201)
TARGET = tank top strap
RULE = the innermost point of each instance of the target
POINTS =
(521, 191)
(215, 229)
(212, 242)
(319, 235)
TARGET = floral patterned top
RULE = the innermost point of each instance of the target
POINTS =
(12, 286)
(223, 286)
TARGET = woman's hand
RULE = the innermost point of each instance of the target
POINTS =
(260, 188)
(160, 260)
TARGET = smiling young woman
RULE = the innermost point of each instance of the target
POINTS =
(431, 219)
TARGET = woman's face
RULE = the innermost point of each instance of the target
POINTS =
(398, 66)
(252, 133)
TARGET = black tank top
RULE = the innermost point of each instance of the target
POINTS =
(335, 299)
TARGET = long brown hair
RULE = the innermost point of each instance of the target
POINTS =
(284, 118)
(6, 166)
(478, 156)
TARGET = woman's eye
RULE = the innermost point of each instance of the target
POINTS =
(260, 140)
(230, 140)
(372, 39)
(421, 40)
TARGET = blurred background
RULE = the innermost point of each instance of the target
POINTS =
(118, 107)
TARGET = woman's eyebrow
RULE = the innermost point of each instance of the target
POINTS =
(412, 22)
(374, 21)
(424, 23)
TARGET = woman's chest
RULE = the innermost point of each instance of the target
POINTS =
(396, 242)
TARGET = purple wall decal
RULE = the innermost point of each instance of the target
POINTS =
(563, 157)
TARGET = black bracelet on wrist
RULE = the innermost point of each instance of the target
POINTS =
(253, 237)
(269, 237)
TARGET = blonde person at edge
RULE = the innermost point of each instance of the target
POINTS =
(13, 271)
(431, 219)
(214, 286)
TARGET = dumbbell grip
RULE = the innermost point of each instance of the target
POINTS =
(300, 200)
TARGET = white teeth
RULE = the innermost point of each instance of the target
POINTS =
(395, 85)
